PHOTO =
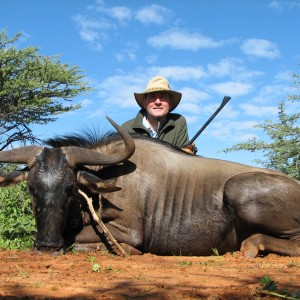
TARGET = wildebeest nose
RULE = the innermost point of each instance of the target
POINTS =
(49, 246)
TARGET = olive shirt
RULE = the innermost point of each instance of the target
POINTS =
(173, 130)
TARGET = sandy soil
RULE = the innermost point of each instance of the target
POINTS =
(99, 275)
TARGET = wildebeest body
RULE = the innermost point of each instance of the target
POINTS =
(167, 203)
(175, 204)
(170, 213)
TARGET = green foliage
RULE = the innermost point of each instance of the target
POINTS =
(97, 268)
(33, 90)
(282, 151)
(268, 284)
(17, 225)
(185, 263)
(269, 287)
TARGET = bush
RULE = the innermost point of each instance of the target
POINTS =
(17, 224)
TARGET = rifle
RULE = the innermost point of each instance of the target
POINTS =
(224, 102)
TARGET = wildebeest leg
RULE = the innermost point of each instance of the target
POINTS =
(91, 239)
(261, 242)
(88, 247)
(267, 207)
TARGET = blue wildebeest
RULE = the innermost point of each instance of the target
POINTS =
(156, 199)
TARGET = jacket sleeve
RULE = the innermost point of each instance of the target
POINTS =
(183, 137)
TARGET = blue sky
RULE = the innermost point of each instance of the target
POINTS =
(206, 48)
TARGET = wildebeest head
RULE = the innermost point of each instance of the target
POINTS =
(53, 180)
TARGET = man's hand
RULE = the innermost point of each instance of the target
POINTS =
(192, 149)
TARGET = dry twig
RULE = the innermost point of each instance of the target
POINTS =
(102, 225)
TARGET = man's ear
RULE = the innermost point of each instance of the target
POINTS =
(170, 102)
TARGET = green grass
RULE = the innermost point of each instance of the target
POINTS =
(185, 263)
(97, 267)
(215, 251)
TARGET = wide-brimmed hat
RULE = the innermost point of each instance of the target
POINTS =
(158, 84)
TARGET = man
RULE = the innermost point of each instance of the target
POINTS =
(155, 118)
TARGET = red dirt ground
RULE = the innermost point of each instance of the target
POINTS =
(99, 275)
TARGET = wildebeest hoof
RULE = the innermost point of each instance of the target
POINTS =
(251, 246)
(130, 250)
(249, 251)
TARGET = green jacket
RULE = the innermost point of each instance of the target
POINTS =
(174, 130)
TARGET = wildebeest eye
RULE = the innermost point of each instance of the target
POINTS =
(32, 190)
(69, 190)
(69, 194)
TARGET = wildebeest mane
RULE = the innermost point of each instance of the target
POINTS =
(92, 138)
(87, 138)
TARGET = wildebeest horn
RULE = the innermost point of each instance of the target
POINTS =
(80, 156)
(24, 155)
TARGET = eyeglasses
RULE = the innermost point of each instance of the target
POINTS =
(160, 95)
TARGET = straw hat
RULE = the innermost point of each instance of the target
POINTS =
(158, 84)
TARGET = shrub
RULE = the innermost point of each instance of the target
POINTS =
(17, 224)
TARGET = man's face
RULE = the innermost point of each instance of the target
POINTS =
(158, 104)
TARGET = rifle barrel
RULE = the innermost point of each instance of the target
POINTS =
(224, 102)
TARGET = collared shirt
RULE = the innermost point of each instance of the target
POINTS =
(153, 133)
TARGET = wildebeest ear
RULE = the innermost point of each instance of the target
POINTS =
(95, 184)
(12, 178)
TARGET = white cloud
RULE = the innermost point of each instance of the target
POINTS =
(231, 88)
(193, 95)
(260, 48)
(233, 131)
(224, 67)
(128, 53)
(190, 107)
(284, 76)
(120, 13)
(282, 5)
(191, 119)
(95, 28)
(233, 68)
(117, 91)
(275, 5)
(273, 93)
(153, 14)
(98, 113)
(259, 111)
(92, 30)
(178, 39)
(86, 102)
(292, 107)
(151, 59)
(228, 112)
(178, 72)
